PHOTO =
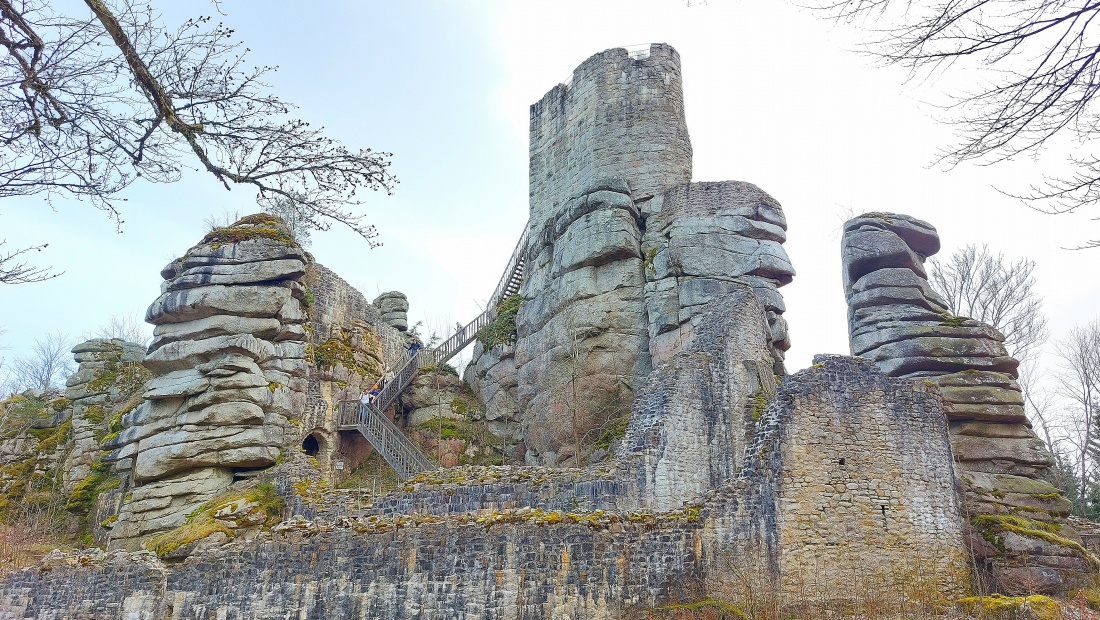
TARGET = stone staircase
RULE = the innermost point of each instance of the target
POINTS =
(370, 420)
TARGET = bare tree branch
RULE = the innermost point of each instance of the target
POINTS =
(14, 271)
(47, 366)
(981, 285)
(89, 104)
(1036, 74)
(1079, 382)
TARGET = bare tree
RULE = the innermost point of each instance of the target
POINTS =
(1038, 62)
(47, 366)
(14, 271)
(89, 103)
(1079, 383)
(287, 210)
(981, 285)
(128, 327)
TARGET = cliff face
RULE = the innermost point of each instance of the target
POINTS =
(623, 252)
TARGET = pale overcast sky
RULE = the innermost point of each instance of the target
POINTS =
(774, 96)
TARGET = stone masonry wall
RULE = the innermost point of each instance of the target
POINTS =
(867, 491)
(350, 347)
(440, 550)
(621, 116)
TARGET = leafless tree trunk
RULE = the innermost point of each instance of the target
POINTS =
(47, 366)
(979, 284)
(1034, 67)
(1079, 383)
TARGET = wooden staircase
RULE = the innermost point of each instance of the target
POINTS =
(370, 420)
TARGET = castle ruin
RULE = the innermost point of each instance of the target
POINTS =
(627, 435)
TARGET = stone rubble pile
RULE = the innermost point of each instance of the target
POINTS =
(228, 358)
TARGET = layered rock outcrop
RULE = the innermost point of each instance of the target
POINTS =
(581, 346)
(394, 308)
(228, 358)
(622, 254)
(108, 384)
(898, 322)
(702, 240)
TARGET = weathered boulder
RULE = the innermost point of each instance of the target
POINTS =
(394, 308)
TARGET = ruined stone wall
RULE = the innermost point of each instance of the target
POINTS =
(898, 322)
(865, 478)
(432, 570)
(539, 543)
(350, 346)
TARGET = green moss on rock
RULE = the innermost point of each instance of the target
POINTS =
(503, 328)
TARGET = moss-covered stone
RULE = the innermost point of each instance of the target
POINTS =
(503, 328)
(998, 607)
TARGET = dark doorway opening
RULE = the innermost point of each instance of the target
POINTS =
(311, 446)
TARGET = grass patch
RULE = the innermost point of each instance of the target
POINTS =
(334, 352)
(201, 523)
(612, 433)
(993, 527)
(257, 226)
(951, 320)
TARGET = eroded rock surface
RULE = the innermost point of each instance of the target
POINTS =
(108, 383)
(623, 253)
(898, 322)
(394, 308)
(582, 330)
(228, 358)
(702, 240)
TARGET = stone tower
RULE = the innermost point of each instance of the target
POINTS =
(623, 252)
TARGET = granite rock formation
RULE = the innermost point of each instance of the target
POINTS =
(702, 240)
(623, 252)
(394, 308)
(108, 383)
(898, 322)
(845, 477)
(581, 345)
(228, 359)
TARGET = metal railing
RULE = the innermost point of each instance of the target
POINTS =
(394, 446)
